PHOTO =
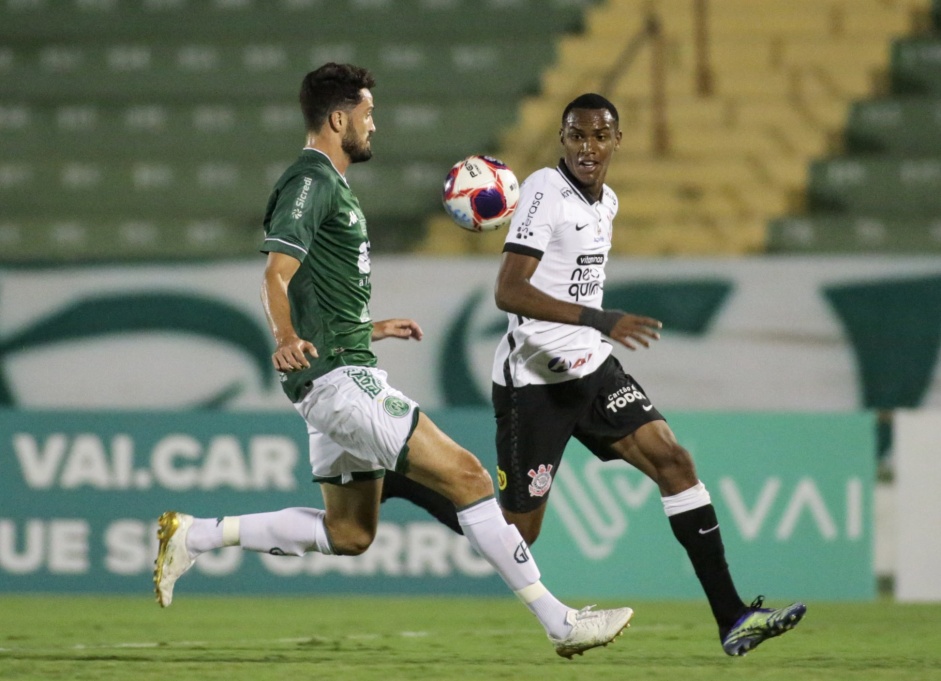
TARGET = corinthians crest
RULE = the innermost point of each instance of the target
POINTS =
(542, 480)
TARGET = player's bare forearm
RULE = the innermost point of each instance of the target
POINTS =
(291, 351)
(524, 299)
(515, 294)
(274, 295)
(396, 328)
(629, 330)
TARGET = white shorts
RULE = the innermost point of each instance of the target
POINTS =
(358, 425)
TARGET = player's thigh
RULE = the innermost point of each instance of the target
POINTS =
(619, 409)
(438, 462)
(654, 450)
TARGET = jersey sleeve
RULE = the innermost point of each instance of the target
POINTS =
(532, 223)
(301, 207)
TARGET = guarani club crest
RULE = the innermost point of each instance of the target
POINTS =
(542, 480)
(395, 406)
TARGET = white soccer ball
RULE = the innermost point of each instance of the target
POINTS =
(480, 193)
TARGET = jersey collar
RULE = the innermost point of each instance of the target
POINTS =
(575, 184)
(329, 160)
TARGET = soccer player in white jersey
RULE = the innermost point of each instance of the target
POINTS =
(554, 376)
(317, 287)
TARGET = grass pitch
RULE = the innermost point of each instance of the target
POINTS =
(353, 639)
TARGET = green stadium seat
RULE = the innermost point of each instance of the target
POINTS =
(898, 126)
(818, 233)
(916, 66)
(182, 71)
(875, 186)
(153, 188)
(308, 21)
(233, 132)
(30, 239)
(226, 192)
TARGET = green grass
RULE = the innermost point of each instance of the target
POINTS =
(353, 639)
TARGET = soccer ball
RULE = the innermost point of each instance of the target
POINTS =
(480, 193)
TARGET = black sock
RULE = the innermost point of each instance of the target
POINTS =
(397, 485)
(698, 531)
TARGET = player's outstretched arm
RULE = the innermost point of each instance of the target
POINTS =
(396, 328)
(630, 330)
(291, 351)
(515, 294)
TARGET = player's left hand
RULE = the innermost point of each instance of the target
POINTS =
(396, 328)
(633, 331)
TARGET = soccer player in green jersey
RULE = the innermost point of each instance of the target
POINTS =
(316, 292)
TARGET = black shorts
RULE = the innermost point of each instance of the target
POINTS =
(535, 422)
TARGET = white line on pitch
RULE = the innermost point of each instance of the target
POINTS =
(195, 644)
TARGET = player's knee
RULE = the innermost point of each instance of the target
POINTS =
(675, 467)
(679, 458)
(350, 540)
(472, 479)
(477, 478)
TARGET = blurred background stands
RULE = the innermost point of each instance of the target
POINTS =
(724, 106)
(149, 129)
(883, 193)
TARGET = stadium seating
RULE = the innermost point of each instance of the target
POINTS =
(155, 128)
(883, 193)
(845, 234)
(126, 126)
(908, 126)
(783, 77)
(894, 186)
(916, 66)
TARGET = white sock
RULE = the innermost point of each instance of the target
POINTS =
(551, 612)
(290, 531)
(503, 547)
(205, 534)
(687, 500)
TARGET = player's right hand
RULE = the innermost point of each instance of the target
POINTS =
(632, 330)
(291, 354)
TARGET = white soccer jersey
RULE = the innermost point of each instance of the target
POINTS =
(570, 234)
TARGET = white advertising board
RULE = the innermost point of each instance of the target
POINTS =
(800, 334)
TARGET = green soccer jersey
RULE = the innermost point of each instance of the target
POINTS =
(313, 216)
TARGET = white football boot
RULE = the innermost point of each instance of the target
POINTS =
(173, 560)
(591, 628)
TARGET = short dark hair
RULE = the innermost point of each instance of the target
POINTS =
(590, 100)
(330, 88)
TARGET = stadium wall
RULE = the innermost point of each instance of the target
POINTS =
(772, 334)
(916, 509)
(804, 335)
(80, 493)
